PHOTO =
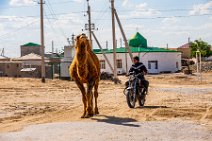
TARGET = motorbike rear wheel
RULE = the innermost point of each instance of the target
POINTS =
(131, 99)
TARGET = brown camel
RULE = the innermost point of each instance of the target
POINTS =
(85, 68)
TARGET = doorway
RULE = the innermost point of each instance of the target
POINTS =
(153, 66)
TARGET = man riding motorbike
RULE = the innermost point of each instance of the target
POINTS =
(139, 67)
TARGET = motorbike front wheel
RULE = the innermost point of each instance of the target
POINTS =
(142, 99)
(131, 99)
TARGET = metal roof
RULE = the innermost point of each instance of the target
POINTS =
(31, 44)
(138, 41)
(31, 56)
(137, 49)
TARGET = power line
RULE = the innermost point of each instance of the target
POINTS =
(30, 6)
(129, 18)
(54, 15)
(23, 27)
(164, 17)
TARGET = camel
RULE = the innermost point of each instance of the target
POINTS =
(85, 68)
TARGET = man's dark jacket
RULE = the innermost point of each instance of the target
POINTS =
(138, 68)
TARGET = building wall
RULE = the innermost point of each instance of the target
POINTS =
(64, 71)
(69, 53)
(167, 62)
(32, 62)
(10, 69)
(186, 52)
(30, 49)
(37, 72)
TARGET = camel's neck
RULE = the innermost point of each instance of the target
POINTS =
(81, 56)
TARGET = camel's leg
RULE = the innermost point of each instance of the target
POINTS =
(82, 89)
(89, 97)
(96, 111)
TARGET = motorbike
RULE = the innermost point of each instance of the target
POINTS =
(135, 91)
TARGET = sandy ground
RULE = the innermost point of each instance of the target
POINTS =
(26, 102)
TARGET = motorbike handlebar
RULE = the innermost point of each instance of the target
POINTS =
(132, 73)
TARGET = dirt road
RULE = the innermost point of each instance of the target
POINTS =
(175, 130)
(27, 101)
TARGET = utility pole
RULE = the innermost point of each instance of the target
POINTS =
(42, 42)
(123, 34)
(52, 46)
(114, 39)
(125, 49)
(2, 52)
(120, 42)
(72, 39)
(107, 60)
(106, 44)
(89, 26)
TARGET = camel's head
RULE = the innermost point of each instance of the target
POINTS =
(82, 42)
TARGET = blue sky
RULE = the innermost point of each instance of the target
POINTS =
(161, 22)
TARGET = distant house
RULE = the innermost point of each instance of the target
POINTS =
(30, 48)
(10, 68)
(186, 50)
(32, 63)
(4, 58)
(54, 61)
(31, 59)
(157, 60)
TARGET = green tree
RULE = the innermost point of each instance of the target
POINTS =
(202, 46)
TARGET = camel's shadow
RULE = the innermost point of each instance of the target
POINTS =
(116, 120)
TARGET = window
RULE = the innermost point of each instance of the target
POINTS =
(119, 63)
(102, 64)
(152, 64)
(8, 66)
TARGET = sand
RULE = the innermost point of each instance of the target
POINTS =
(25, 102)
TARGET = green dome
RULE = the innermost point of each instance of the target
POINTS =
(138, 41)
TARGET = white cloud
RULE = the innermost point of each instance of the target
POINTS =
(2, 29)
(171, 21)
(67, 19)
(21, 2)
(124, 3)
(201, 9)
(142, 10)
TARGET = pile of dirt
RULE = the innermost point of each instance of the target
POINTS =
(206, 67)
(106, 76)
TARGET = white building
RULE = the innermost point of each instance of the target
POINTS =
(157, 60)
(66, 61)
